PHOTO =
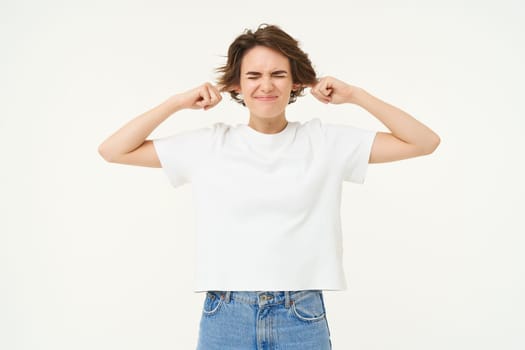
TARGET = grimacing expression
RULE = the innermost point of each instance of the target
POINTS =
(265, 82)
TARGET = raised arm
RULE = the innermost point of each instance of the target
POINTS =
(408, 137)
(129, 145)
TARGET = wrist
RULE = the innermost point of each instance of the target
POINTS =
(175, 103)
(356, 95)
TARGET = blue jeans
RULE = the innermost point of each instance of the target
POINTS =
(263, 320)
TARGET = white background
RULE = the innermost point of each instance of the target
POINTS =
(100, 256)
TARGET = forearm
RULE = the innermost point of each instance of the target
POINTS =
(134, 133)
(401, 124)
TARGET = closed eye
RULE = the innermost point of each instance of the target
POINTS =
(275, 76)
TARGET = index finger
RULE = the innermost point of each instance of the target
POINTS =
(311, 85)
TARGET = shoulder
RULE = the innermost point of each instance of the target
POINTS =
(338, 134)
(193, 138)
(312, 124)
(312, 127)
(316, 125)
(205, 132)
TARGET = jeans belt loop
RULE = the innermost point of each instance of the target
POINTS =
(286, 299)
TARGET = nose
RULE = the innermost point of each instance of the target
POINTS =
(266, 84)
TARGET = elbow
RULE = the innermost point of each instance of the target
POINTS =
(431, 145)
(105, 153)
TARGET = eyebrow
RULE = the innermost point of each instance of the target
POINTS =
(277, 72)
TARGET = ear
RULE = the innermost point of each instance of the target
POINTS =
(296, 87)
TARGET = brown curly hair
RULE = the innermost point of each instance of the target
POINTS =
(272, 37)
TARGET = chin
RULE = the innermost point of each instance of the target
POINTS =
(266, 113)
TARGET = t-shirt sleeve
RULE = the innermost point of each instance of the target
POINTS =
(181, 154)
(351, 147)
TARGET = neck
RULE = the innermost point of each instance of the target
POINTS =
(268, 125)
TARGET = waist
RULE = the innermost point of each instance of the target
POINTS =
(262, 298)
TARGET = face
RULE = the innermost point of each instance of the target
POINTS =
(265, 82)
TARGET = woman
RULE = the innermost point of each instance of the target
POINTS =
(267, 193)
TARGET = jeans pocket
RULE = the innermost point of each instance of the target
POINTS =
(309, 307)
(212, 303)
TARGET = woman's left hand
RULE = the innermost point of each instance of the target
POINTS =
(331, 90)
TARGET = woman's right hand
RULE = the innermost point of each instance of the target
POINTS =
(205, 96)
(128, 145)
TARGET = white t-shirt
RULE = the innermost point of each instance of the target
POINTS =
(267, 205)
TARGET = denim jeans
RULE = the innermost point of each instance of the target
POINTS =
(264, 320)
